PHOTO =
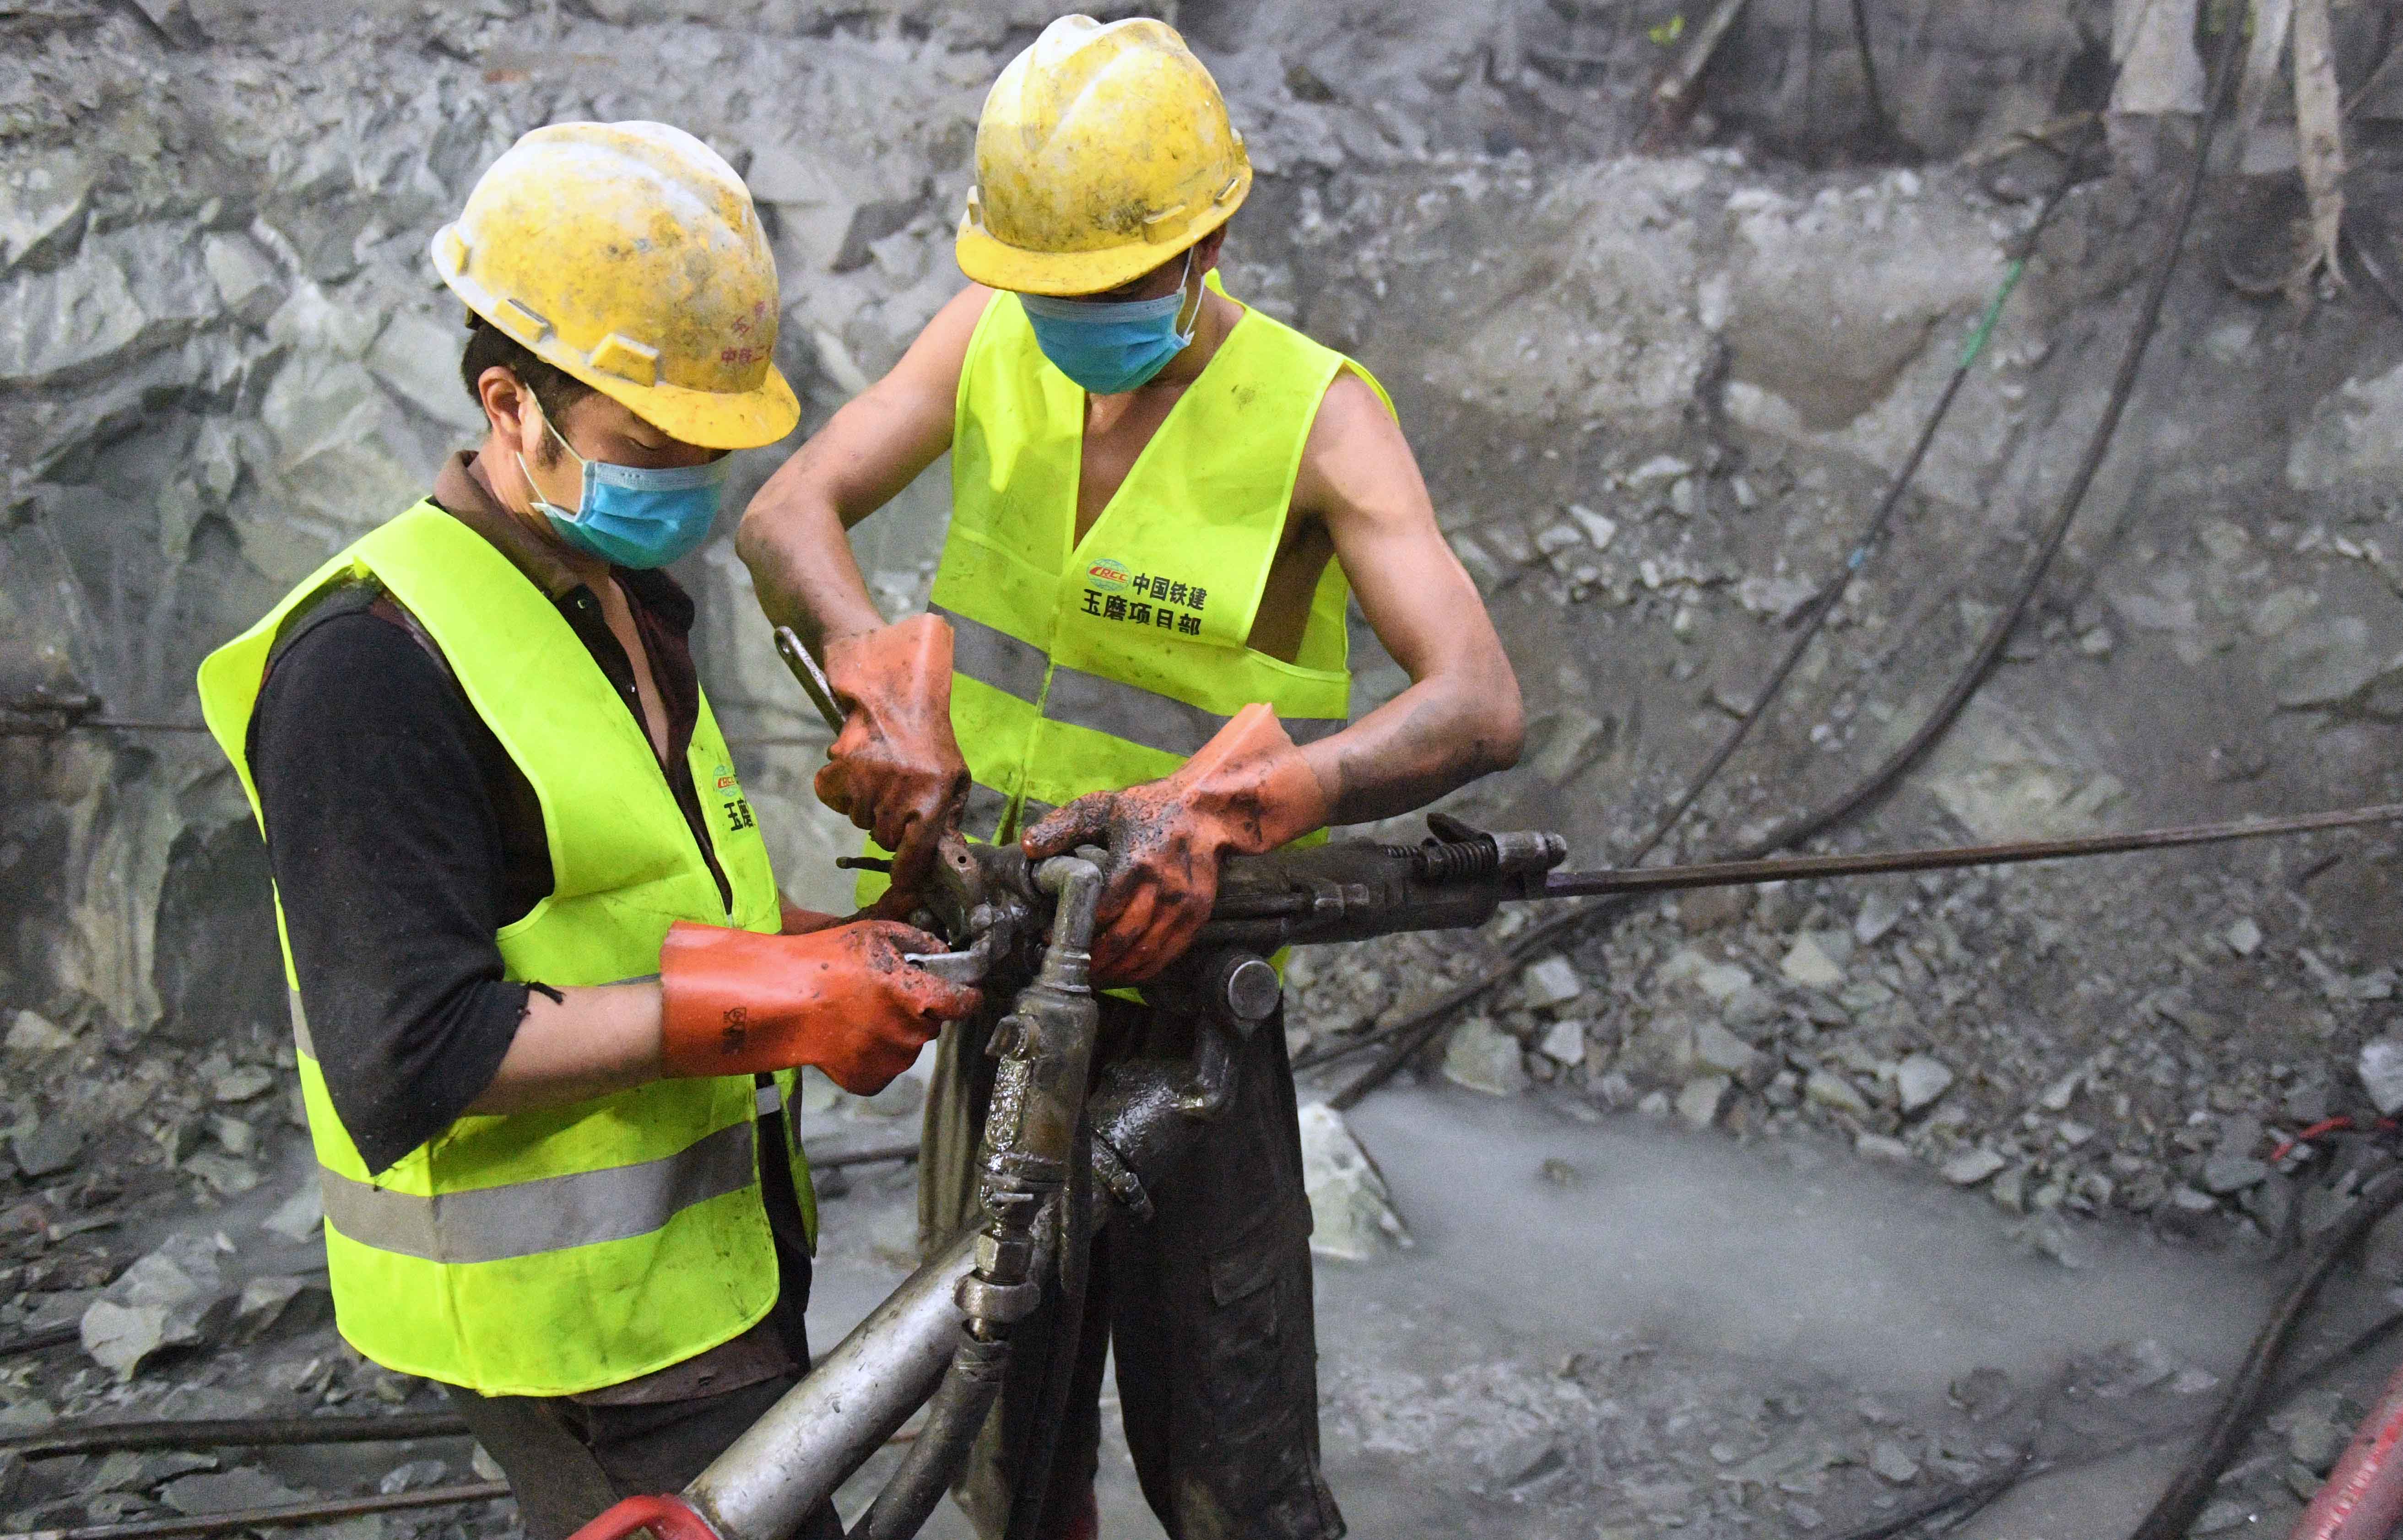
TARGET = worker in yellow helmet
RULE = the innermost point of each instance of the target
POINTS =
(1162, 502)
(548, 1003)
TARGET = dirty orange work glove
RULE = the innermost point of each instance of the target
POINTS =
(1248, 790)
(895, 769)
(736, 1002)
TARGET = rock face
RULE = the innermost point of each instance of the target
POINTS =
(1482, 1057)
(2380, 1066)
(1350, 1211)
(168, 1298)
(2356, 433)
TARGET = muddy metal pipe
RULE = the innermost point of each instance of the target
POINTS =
(1028, 1159)
(809, 1443)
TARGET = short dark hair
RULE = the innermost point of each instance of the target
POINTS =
(554, 389)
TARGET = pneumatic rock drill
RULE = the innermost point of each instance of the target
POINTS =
(1055, 1161)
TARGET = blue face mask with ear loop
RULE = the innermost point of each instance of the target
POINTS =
(633, 517)
(1112, 345)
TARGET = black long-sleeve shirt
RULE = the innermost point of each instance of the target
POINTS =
(403, 837)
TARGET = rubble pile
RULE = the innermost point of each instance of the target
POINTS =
(1631, 1438)
(160, 1258)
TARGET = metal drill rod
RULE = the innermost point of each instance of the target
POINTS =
(1722, 874)
(278, 1516)
(811, 677)
(230, 1432)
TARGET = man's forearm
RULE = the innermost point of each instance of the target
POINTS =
(1436, 736)
(801, 564)
(587, 1043)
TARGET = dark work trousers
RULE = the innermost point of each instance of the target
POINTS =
(1208, 1309)
(569, 1460)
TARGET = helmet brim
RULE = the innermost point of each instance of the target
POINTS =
(988, 261)
(710, 419)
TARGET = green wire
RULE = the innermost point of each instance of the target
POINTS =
(1994, 312)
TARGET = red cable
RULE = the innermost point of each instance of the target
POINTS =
(2325, 1125)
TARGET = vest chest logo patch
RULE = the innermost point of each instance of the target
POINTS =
(1107, 573)
(732, 805)
(1157, 605)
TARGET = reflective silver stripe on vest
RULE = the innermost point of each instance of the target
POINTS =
(549, 1214)
(993, 656)
(1147, 717)
(1113, 706)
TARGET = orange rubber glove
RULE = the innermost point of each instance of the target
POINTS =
(1249, 790)
(895, 769)
(736, 1002)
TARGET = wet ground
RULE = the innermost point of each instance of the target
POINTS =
(1676, 1331)
(1607, 1328)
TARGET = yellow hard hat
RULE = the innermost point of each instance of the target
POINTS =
(1103, 151)
(628, 254)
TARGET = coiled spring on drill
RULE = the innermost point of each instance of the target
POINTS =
(1450, 860)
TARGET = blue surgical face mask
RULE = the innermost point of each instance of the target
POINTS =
(631, 517)
(1108, 346)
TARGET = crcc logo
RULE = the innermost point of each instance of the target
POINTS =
(1107, 572)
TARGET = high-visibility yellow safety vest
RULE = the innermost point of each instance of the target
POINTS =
(1090, 665)
(560, 1250)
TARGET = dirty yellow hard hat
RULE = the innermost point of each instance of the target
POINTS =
(1103, 151)
(629, 255)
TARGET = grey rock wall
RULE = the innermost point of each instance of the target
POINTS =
(1654, 395)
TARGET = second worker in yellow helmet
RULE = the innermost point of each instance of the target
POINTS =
(1162, 502)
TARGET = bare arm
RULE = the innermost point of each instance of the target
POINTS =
(1461, 717)
(792, 534)
(592, 1042)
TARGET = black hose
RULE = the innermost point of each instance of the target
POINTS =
(1881, 127)
(1031, 1476)
(903, 1153)
(2179, 1506)
(1402, 1039)
(34, 1341)
(955, 1417)
(2149, 318)
(1823, 607)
